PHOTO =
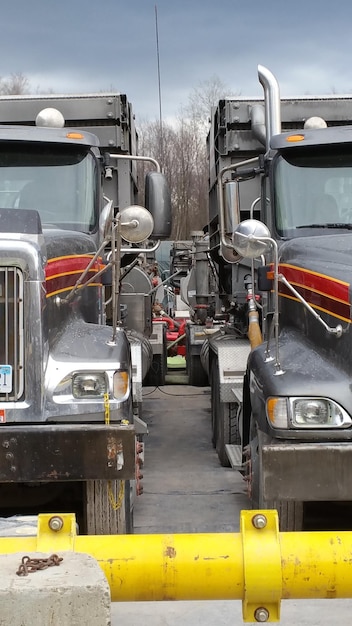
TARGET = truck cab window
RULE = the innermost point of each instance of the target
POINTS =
(60, 186)
(313, 192)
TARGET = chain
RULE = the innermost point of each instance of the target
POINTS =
(106, 408)
(116, 502)
(29, 565)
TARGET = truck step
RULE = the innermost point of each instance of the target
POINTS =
(238, 393)
(234, 454)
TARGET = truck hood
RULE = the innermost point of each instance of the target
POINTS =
(320, 253)
(61, 243)
(320, 269)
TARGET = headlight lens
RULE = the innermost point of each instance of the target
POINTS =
(318, 413)
(306, 413)
(89, 385)
(120, 384)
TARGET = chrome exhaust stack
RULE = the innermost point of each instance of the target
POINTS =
(272, 103)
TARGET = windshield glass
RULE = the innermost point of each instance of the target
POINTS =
(60, 183)
(313, 191)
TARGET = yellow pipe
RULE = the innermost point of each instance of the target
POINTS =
(316, 564)
(258, 565)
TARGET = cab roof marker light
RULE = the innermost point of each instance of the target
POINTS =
(74, 136)
(295, 138)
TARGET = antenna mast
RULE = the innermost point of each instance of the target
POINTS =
(159, 86)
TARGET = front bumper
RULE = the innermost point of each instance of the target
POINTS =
(307, 471)
(36, 453)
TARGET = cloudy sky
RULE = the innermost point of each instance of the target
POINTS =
(78, 46)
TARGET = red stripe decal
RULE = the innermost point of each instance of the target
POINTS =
(321, 292)
(316, 282)
(62, 273)
(63, 265)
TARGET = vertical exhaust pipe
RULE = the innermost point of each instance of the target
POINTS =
(272, 103)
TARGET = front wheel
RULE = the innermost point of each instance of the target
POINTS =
(225, 420)
(227, 431)
(290, 512)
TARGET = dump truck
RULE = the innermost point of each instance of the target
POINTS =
(73, 338)
(278, 345)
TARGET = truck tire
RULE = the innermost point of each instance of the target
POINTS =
(156, 375)
(290, 512)
(157, 372)
(197, 377)
(214, 402)
(107, 510)
(225, 425)
(227, 430)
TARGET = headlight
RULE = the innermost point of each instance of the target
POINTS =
(318, 413)
(121, 383)
(89, 385)
(306, 413)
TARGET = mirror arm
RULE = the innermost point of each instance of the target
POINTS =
(131, 157)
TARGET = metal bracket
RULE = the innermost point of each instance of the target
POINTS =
(56, 530)
(260, 541)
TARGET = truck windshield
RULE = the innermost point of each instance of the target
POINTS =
(60, 183)
(313, 191)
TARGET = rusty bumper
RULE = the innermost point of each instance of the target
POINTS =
(67, 452)
(307, 471)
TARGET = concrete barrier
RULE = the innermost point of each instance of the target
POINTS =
(74, 593)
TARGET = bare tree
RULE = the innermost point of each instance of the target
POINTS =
(15, 85)
(203, 97)
(181, 151)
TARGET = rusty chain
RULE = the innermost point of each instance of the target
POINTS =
(29, 565)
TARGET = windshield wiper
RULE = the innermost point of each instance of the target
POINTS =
(332, 225)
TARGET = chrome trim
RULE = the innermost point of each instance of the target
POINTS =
(12, 328)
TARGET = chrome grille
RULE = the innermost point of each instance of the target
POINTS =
(11, 334)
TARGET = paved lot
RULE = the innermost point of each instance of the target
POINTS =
(185, 491)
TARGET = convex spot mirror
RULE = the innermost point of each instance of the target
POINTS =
(136, 224)
(248, 237)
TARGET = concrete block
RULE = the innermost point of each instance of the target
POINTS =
(74, 593)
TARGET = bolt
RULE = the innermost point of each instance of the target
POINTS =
(259, 521)
(56, 523)
(261, 614)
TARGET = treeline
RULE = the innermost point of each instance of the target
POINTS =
(180, 148)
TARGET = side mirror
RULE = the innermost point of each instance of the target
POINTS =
(250, 239)
(158, 203)
(136, 224)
